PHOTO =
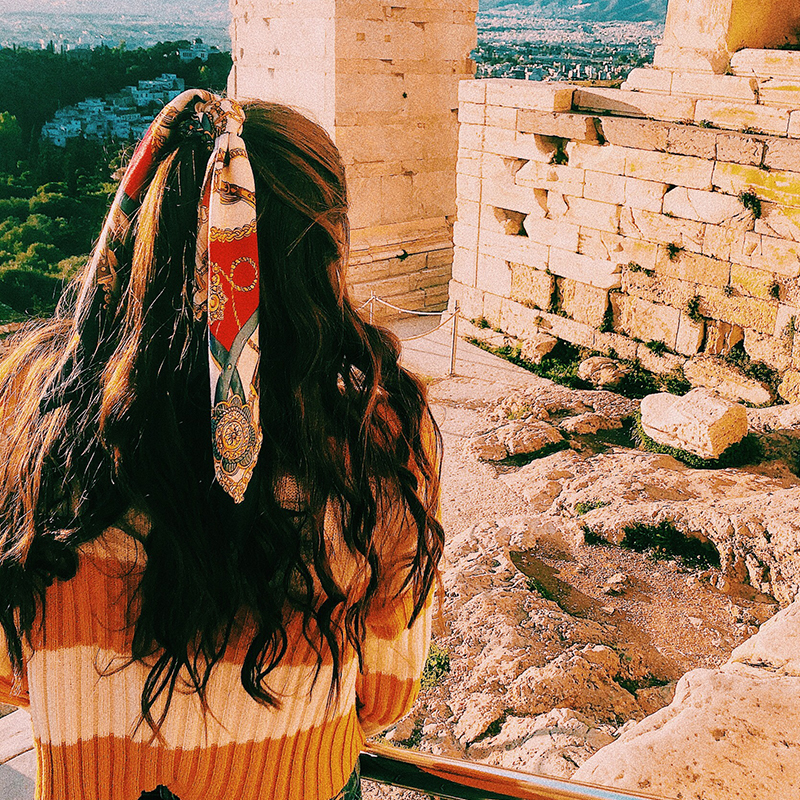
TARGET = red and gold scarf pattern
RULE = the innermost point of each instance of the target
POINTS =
(226, 270)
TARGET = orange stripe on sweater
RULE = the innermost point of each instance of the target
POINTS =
(313, 765)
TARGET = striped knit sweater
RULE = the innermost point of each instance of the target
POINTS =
(84, 700)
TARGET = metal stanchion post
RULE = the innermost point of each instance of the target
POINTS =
(456, 314)
(372, 308)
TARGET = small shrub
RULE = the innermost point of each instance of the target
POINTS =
(665, 542)
(654, 346)
(775, 290)
(693, 309)
(673, 251)
(436, 667)
(607, 325)
(750, 200)
(705, 123)
(481, 323)
(727, 290)
(591, 537)
(560, 156)
(590, 505)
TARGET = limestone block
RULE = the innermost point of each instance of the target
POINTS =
(701, 421)
(730, 242)
(471, 91)
(661, 364)
(794, 125)
(553, 177)
(635, 104)
(470, 300)
(493, 310)
(468, 187)
(752, 282)
(658, 288)
(494, 274)
(580, 127)
(641, 134)
(532, 95)
(551, 232)
(780, 221)
(689, 140)
(640, 224)
(537, 347)
(713, 207)
(693, 173)
(557, 206)
(571, 331)
(785, 323)
(782, 154)
(623, 346)
(775, 352)
(592, 214)
(519, 320)
(779, 92)
(465, 236)
(646, 195)
(582, 302)
(599, 158)
(716, 87)
(469, 213)
(767, 64)
(747, 312)
(602, 274)
(501, 220)
(693, 268)
(465, 266)
(531, 286)
(513, 248)
(501, 116)
(618, 249)
(721, 337)
(690, 335)
(646, 321)
(469, 162)
(504, 194)
(604, 187)
(736, 116)
(535, 147)
(688, 59)
(778, 255)
(776, 186)
(470, 135)
(739, 148)
(601, 371)
(500, 141)
(727, 380)
(472, 114)
(648, 80)
(789, 389)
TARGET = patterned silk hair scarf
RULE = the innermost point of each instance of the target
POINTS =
(226, 270)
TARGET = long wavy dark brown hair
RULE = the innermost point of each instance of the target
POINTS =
(339, 416)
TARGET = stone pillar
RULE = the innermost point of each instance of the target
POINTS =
(383, 79)
(701, 35)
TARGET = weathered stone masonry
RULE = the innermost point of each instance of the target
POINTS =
(666, 211)
(383, 79)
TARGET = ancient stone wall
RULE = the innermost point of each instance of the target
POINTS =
(383, 79)
(664, 213)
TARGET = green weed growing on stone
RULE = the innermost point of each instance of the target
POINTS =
(750, 200)
(590, 505)
(665, 542)
(673, 251)
(775, 290)
(693, 309)
(436, 667)
(657, 347)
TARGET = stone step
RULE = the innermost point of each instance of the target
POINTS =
(17, 757)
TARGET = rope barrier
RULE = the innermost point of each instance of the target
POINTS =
(432, 330)
(454, 317)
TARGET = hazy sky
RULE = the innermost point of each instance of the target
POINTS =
(153, 7)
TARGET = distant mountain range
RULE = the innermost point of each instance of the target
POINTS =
(590, 10)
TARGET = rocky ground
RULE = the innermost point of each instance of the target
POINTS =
(558, 639)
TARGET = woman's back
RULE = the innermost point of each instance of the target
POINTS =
(243, 631)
